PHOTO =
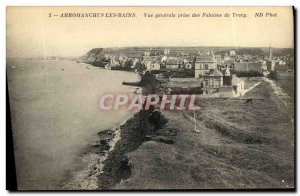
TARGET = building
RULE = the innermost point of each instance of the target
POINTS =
(236, 89)
(270, 53)
(152, 65)
(203, 64)
(212, 80)
(232, 53)
(238, 86)
(147, 53)
(271, 65)
(188, 66)
(227, 71)
(218, 58)
(172, 64)
(264, 69)
(166, 52)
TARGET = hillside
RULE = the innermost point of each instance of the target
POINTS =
(239, 146)
(98, 54)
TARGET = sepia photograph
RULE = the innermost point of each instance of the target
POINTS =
(139, 98)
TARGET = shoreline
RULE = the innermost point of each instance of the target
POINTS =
(138, 129)
(122, 167)
(85, 177)
(94, 156)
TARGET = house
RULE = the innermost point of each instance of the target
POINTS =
(212, 80)
(227, 71)
(147, 53)
(264, 69)
(188, 66)
(232, 53)
(172, 64)
(147, 58)
(271, 65)
(166, 52)
(203, 64)
(218, 58)
(238, 86)
(152, 65)
(236, 89)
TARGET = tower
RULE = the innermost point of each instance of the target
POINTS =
(270, 53)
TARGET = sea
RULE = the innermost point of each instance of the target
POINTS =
(55, 115)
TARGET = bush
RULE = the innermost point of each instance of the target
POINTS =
(191, 90)
(149, 83)
(184, 74)
(248, 74)
(273, 75)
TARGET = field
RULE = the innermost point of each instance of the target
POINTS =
(286, 81)
(238, 146)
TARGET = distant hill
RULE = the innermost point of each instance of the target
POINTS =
(98, 54)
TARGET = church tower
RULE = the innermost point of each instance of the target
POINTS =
(270, 53)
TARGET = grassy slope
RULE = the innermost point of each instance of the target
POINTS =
(240, 146)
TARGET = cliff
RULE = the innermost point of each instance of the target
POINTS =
(92, 56)
(162, 150)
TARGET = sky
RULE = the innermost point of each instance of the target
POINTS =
(32, 33)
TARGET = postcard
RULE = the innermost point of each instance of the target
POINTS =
(151, 98)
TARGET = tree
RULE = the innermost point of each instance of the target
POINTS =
(149, 83)
(273, 75)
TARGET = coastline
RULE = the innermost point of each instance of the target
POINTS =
(107, 161)
(83, 174)
(138, 129)
(146, 136)
(94, 156)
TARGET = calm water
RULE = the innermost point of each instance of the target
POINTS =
(55, 115)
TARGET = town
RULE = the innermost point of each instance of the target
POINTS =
(219, 73)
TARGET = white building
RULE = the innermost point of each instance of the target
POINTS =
(203, 64)
(152, 65)
(232, 53)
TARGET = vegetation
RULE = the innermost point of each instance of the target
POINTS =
(248, 74)
(192, 90)
(144, 124)
(128, 63)
(184, 74)
(243, 51)
(140, 66)
(285, 52)
(273, 75)
(149, 83)
(168, 74)
(121, 68)
(257, 153)
(250, 51)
